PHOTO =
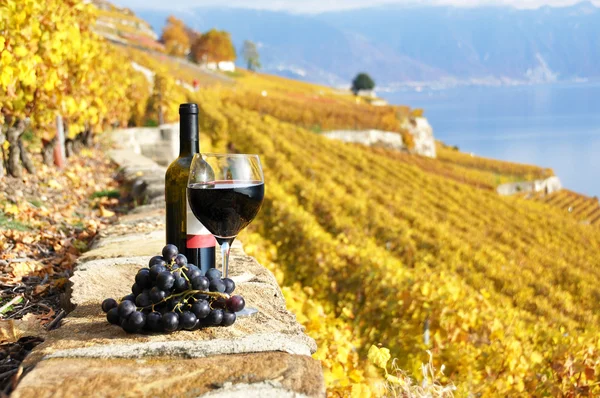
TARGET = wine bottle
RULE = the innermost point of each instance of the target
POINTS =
(183, 229)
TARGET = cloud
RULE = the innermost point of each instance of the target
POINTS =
(315, 6)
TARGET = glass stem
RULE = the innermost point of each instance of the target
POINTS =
(225, 258)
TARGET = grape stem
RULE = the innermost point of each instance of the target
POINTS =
(188, 293)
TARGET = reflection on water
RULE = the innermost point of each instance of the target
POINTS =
(554, 126)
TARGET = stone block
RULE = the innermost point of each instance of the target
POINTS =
(267, 374)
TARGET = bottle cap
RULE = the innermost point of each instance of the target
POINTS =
(189, 108)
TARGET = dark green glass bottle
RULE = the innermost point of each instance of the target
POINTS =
(183, 229)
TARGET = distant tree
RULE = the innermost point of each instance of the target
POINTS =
(250, 53)
(175, 37)
(213, 46)
(362, 81)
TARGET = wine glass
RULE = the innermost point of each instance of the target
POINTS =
(225, 192)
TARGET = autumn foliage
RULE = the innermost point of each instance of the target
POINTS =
(51, 63)
(175, 37)
(213, 46)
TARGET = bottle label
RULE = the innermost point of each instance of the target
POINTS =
(198, 236)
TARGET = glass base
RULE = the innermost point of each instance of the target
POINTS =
(246, 312)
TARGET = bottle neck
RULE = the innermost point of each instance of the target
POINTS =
(188, 134)
(188, 147)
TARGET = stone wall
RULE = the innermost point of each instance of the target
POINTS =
(422, 134)
(159, 144)
(549, 185)
(368, 137)
(419, 128)
(266, 355)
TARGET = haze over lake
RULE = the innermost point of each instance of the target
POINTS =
(556, 126)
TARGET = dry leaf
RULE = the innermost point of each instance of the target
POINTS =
(26, 268)
(13, 329)
(54, 184)
(28, 239)
(39, 289)
(59, 283)
(106, 213)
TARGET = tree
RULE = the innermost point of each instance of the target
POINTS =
(175, 37)
(213, 46)
(362, 81)
(250, 54)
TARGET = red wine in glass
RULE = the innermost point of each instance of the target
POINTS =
(226, 207)
(225, 192)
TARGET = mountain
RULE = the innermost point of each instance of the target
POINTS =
(425, 44)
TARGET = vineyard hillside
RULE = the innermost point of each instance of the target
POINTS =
(374, 246)
(375, 249)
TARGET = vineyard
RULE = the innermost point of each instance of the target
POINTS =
(370, 246)
(571, 204)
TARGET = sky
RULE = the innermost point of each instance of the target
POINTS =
(315, 6)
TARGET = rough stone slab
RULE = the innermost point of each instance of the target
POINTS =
(115, 239)
(257, 390)
(143, 226)
(191, 349)
(270, 374)
(147, 208)
(158, 201)
(129, 248)
(127, 158)
(155, 191)
(93, 281)
(147, 216)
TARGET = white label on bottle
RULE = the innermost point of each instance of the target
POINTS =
(197, 234)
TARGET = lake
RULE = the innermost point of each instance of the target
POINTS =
(556, 126)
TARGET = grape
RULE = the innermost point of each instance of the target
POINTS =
(126, 308)
(109, 304)
(127, 327)
(236, 303)
(170, 321)
(216, 286)
(188, 320)
(215, 317)
(155, 270)
(143, 300)
(156, 260)
(162, 307)
(200, 296)
(181, 260)
(181, 284)
(165, 280)
(156, 295)
(136, 320)
(142, 279)
(129, 297)
(113, 316)
(154, 321)
(136, 289)
(192, 266)
(219, 303)
(229, 285)
(213, 273)
(201, 309)
(228, 318)
(193, 272)
(169, 252)
(173, 302)
(200, 283)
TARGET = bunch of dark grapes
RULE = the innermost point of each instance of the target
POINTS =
(173, 295)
